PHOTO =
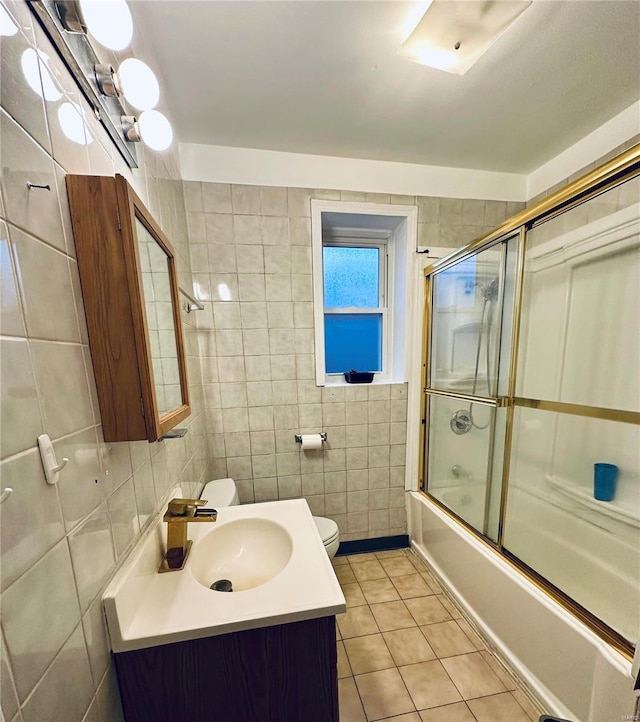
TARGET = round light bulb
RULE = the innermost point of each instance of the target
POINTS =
(7, 26)
(155, 130)
(139, 84)
(37, 74)
(71, 119)
(109, 22)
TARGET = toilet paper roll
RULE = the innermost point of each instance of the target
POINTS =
(311, 441)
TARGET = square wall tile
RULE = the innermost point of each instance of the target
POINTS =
(123, 516)
(32, 640)
(8, 694)
(92, 555)
(81, 486)
(11, 319)
(62, 387)
(31, 523)
(66, 687)
(34, 210)
(216, 198)
(20, 410)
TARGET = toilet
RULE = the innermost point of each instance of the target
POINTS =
(223, 492)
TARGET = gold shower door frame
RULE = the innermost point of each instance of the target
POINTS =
(622, 168)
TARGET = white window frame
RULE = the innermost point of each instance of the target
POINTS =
(346, 238)
(400, 244)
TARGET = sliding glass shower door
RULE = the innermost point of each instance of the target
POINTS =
(532, 394)
(471, 328)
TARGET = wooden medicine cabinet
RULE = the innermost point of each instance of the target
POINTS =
(129, 285)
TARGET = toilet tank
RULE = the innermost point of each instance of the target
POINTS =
(220, 492)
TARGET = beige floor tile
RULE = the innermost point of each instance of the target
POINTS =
(339, 561)
(429, 685)
(427, 610)
(472, 634)
(368, 654)
(349, 700)
(447, 639)
(344, 668)
(392, 615)
(417, 562)
(338, 635)
(353, 594)
(411, 717)
(472, 675)
(432, 583)
(365, 571)
(357, 622)
(458, 712)
(379, 590)
(383, 694)
(527, 705)
(411, 585)
(397, 566)
(359, 558)
(500, 672)
(449, 606)
(408, 646)
(345, 574)
(498, 708)
(390, 553)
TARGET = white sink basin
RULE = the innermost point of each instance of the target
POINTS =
(247, 552)
(271, 552)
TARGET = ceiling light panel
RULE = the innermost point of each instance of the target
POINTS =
(453, 34)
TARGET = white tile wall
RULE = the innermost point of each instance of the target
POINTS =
(251, 254)
(60, 544)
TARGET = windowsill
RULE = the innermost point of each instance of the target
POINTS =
(376, 382)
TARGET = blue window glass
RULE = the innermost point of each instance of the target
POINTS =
(351, 277)
(353, 341)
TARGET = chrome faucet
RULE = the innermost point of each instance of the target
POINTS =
(179, 513)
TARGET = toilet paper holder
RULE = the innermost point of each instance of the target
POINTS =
(323, 436)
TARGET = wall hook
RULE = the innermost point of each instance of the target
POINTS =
(6, 494)
(49, 461)
(42, 186)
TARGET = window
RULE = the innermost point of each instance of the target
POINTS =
(361, 256)
(354, 289)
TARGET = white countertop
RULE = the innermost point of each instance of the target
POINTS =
(145, 609)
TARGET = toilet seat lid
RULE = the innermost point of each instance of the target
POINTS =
(219, 492)
(327, 528)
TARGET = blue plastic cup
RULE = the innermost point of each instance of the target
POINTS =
(604, 481)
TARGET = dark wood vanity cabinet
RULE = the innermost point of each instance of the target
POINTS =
(284, 673)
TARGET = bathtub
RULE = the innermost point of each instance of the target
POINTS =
(571, 671)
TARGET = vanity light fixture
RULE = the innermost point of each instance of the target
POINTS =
(79, 29)
(108, 21)
(134, 80)
(453, 34)
(130, 128)
(7, 27)
(139, 84)
(155, 130)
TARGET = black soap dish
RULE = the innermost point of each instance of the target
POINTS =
(358, 377)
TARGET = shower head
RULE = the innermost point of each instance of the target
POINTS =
(490, 289)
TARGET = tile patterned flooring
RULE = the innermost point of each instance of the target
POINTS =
(405, 654)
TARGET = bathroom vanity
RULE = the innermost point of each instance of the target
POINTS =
(284, 673)
(266, 652)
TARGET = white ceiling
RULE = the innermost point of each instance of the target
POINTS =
(324, 78)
